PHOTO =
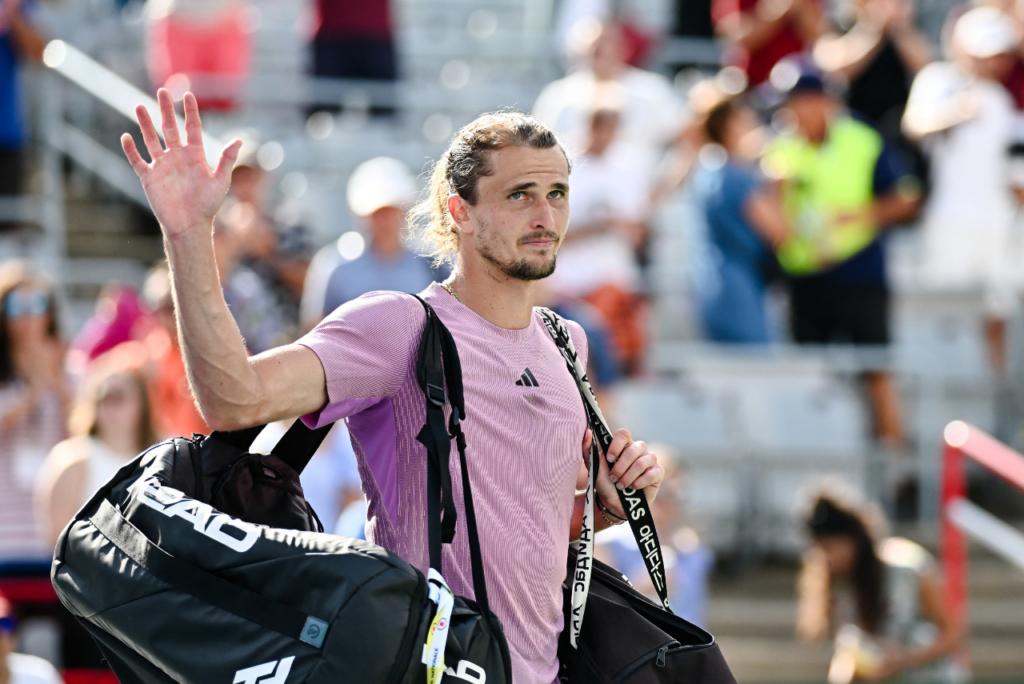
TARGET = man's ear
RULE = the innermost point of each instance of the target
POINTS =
(459, 210)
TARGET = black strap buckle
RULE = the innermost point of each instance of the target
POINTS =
(436, 395)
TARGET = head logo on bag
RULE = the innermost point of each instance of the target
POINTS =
(205, 520)
(251, 675)
(469, 672)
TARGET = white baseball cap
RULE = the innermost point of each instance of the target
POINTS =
(985, 32)
(380, 182)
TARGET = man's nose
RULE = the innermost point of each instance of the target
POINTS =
(543, 217)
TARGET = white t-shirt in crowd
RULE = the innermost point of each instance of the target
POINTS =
(651, 112)
(969, 216)
(616, 184)
(29, 669)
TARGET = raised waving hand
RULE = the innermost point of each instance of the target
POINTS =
(182, 189)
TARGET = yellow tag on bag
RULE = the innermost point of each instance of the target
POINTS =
(437, 635)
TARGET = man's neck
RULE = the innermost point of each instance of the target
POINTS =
(505, 302)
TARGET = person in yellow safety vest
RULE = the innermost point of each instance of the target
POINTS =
(841, 185)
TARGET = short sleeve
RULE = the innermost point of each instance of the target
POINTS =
(367, 348)
(890, 168)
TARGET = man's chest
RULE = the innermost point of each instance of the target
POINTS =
(521, 399)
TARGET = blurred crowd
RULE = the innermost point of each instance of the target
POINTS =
(823, 132)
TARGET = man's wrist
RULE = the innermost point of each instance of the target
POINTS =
(605, 512)
(187, 242)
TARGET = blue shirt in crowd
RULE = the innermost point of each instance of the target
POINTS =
(370, 272)
(732, 300)
(11, 134)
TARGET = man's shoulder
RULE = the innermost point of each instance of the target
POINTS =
(576, 331)
(382, 303)
(857, 129)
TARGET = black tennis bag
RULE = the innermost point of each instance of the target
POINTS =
(182, 570)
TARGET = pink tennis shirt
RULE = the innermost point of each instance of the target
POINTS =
(524, 450)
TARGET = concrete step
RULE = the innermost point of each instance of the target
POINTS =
(780, 659)
(753, 613)
(767, 660)
(744, 617)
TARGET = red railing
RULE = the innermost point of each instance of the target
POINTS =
(959, 516)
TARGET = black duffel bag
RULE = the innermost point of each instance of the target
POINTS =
(628, 639)
(174, 589)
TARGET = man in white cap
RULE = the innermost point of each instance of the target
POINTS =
(968, 120)
(379, 192)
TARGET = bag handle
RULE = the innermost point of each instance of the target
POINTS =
(204, 585)
(438, 366)
(296, 447)
(638, 511)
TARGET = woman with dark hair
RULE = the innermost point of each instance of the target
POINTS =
(33, 406)
(882, 600)
(744, 219)
(110, 425)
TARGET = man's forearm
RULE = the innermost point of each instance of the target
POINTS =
(223, 382)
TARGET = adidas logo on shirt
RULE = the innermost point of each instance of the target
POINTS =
(527, 380)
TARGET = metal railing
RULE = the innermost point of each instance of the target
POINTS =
(960, 517)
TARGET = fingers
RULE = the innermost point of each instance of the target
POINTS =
(588, 440)
(654, 474)
(149, 134)
(168, 119)
(193, 126)
(132, 152)
(637, 468)
(227, 160)
(620, 440)
(634, 451)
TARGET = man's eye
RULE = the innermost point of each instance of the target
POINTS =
(556, 194)
(517, 195)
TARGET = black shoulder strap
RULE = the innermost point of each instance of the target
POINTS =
(641, 522)
(296, 447)
(437, 366)
(431, 378)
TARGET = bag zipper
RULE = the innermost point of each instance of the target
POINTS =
(658, 655)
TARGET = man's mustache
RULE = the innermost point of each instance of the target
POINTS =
(540, 235)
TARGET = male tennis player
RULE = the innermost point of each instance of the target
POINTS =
(498, 207)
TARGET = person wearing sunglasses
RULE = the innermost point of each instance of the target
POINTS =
(110, 424)
(19, 668)
(33, 408)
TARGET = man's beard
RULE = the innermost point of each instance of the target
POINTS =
(522, 269)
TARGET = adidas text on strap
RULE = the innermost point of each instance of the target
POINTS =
(634, 503)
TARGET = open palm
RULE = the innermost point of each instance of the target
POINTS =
(182, 189)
